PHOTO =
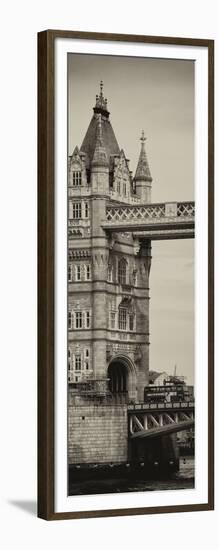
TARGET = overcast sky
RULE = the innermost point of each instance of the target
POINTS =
(157, 96)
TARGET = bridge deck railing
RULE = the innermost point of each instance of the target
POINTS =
(158, 406)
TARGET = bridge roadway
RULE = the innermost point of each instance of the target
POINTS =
(157, 221)
(147, 420)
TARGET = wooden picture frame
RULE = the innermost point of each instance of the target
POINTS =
(46, 273)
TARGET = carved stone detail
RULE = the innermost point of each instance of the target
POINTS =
(79, 254)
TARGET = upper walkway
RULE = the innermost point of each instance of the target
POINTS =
(175, 220)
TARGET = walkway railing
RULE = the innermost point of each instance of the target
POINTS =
(174, 216)
(152, 212)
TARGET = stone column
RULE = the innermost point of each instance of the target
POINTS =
(100, 254)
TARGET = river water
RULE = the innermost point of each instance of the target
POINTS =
(183, 479)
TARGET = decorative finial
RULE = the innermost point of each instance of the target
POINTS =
(101, 103)
(142, 138)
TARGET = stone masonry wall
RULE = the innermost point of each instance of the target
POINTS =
(97, 434)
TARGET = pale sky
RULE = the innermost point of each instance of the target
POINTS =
(157, 96)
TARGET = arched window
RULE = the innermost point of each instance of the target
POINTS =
(122, 267)
(78, 272)
(78, 319)
(87, 272)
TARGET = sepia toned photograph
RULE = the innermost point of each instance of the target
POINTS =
(131, 379)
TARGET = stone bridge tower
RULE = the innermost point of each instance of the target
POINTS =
(108, 275)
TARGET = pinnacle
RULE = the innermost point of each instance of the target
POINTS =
(101, 103)
(143, 170)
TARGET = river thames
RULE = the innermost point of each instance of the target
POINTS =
(183, 479)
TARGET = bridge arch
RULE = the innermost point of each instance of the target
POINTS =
(122, 377)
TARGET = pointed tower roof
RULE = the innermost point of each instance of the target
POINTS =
(100, 156)
(108, 137)
(143, 170)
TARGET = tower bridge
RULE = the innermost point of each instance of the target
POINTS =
(175, 220)
(108, 298)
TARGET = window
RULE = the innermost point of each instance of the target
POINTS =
(78, 319)
(88, 272)
(76, 178)
(86, 210)
(69, 359)
(78, 272)
(87, 353)
(124, 188)
(76, 210)
(77, 362)
(122, 271)
(112, 319)
(69, 320)
(118, 187)
(69, 273)
(131, 321)
(86, 365)
(110, 273)
(87, 319)
(122, 319)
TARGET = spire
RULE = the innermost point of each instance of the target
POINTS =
(100, 156)
(101, 103)
(143, 170)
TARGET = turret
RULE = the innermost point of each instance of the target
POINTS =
(143, 177)
(100, 163)
(93, 140)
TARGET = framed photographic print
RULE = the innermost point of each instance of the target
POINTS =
(126, 248)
